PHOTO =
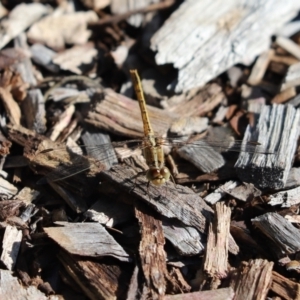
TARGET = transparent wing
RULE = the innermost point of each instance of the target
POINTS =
(220, 145)
(70, 161)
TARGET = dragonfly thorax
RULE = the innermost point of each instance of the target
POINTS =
(158, 176)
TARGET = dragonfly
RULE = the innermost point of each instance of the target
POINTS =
(152, 147)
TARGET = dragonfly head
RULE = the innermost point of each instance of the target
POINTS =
(158, 176)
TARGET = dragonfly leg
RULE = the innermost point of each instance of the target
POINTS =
(172, 178)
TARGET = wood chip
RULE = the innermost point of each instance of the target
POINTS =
(204, 157)
(220, 192)
(121, 115)
(285, 198)
(72, 59)
(224, 294)
(216, 253)
(189, 125)
(63, 122)
(292, 77)
(277, 130)
(36, 114)
(11, 106)
(11, 288)
(97, 279)
(284, 287)
(284, 95)
(285, 236)
(172, 202)
(28, 195)
(253, 279)
(289, 46)
(121, 7)
(55, 31)
(208, 53)
(185, 239)
(152, 254)
(43, 56)
(260, 67)
(11, 244)
(86, 239)
(7, 190)
(19, 19)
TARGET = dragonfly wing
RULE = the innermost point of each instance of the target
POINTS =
(222, 145)
(64, 162)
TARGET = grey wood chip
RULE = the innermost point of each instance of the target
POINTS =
(204, 158)
(277, 130)
(86, 239)
(185, 239)
(285, 198)
(280, 231)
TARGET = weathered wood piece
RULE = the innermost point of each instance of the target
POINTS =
(216, 253)
(74, 58)
(152, 253)
(12, 108)
(25, 67)
(11, 288)
(104, 279)
(57, 30)
(10, 246)
(293, 179)
(292, 77)
(121, 115)
(221, 191)
(86, 239)
(21, 17)
(28, 195)
(9, 208)
(244, 192)
(289, 46)
(224, 294)
(277, 128)
(172, 202)
(92, 141)
(260, 67)
(35, 115)
(198, 102)
(253, 280)
(216, 36)
(122, 7)
(284, 96)
(284, 287)
(204, 158)
(285, 198)
(43, 56)
(185, 239)
(7, 190)
(189, 125)
(283, 234)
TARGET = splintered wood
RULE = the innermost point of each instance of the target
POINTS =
(152, 254)
(253, 279)
(121, 115)
(213, 39)
(216, 254)
(277, 128)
